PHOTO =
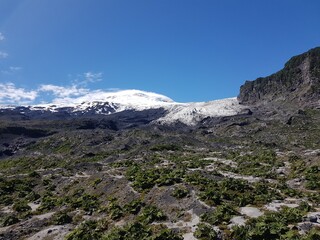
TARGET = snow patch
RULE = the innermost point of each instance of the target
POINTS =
(191, 113)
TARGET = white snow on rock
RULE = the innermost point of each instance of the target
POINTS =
(121, 100)
(191, 113)
(101, 102)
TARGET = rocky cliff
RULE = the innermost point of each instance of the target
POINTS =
(297, 84)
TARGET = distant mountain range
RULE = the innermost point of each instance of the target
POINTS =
(137, 165)
(296, 85)
(130, 100)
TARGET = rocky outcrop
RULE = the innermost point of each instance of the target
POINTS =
(297, 84)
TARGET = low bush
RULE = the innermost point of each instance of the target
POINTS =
(222, 214)
(150, 214)
(21, 206)
(180, 192)
(61, 218)
(9, 220)
(205, 232)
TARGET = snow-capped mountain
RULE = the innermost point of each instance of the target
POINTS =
(106, 103)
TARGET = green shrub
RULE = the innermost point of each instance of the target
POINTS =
(165, 147)
(34, 174)
(272, 225)
(144, 179)
(9, 220)
(6, 200)
(21, 206)
(86, 201)
(139, 231)
(222, 213)
(96, 182)
(114, 210)
(61, 218)
(32, 196)
(134, 206)
(167, 234)
(180, 192)
(313, 178)
(211, 196)
(86, 231)
(133, 231)
(150, 214)
(48, 202)
(205, 232)
(312, 235)
(304, 206)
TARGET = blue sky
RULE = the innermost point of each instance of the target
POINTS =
(187, 50)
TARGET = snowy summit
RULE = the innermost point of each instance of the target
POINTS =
(100, 102)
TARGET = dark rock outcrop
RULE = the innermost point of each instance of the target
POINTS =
(297, 84)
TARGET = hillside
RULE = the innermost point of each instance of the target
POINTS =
(298, 83)
(160, 170)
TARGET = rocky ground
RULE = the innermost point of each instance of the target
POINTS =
(249, 176)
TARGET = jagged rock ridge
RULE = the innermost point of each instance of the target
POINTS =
(298, 83)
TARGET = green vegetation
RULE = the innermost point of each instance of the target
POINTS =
(205, 232)
(165, 147)
(61, 218)
(88, 230)
(222, 214)
(130, 183)
(259, 164)
(272, 225)
(115, 211)
(9, 220)
(134, 206)
(133, 231)
(21, 206)
(313, 178)
(180, 192)
(150, 214)
(144, 179)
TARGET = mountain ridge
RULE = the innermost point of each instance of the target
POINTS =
(298, 84)
(128, 174)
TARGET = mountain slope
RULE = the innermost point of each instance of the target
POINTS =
(298, 83)
(99, 167)
(106, 103)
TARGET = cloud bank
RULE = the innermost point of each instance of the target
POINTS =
(60, 91)
(10, 94)
(3, 54)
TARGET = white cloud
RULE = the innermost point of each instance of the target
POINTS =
(1, 36)
(3, 54)
(63, 92)
(14, 69)
(11, 70)
(88, 77)
(10, 94)
(91, 77)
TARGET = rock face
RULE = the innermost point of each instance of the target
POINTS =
(297, 84)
